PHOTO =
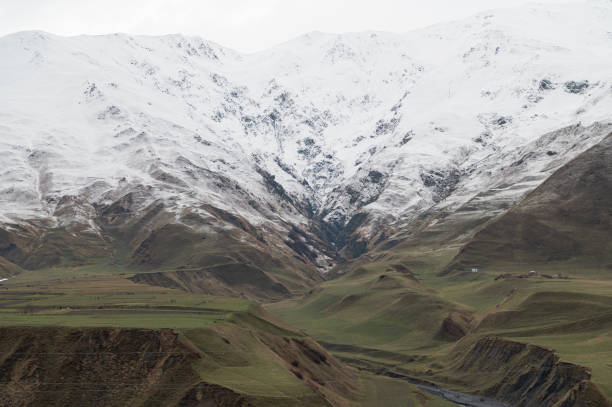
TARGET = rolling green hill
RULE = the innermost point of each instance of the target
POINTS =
(413, 306)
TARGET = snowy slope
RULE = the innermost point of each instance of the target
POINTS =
(321, 127)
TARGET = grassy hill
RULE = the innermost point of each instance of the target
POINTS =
(531, 326)
(565, 221)
(90, 335)
(412, 306)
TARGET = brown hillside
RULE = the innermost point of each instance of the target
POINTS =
(568, 217)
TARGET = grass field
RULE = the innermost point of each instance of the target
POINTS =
(99, 296)
(227, 332)
(393, 319)
(384, 313)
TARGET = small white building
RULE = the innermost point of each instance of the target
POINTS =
(475, 270)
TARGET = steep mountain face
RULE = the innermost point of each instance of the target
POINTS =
(176, 153)
(567, 218)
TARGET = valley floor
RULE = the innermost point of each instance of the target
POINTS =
(392, 314)
(55, 322)
(396, 332)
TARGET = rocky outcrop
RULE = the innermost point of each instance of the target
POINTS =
(526, 375)
(57, 366)
(311, 363)
(94, 367)
(455, 326)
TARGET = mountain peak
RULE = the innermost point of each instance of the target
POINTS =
(326, 128)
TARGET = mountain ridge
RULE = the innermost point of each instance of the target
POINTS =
(312, 151)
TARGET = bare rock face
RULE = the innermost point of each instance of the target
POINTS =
(584, 394)
(142, 367)
(527, 375)
(98, 367)
(455, 326)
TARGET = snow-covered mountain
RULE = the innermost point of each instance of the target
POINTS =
(321, 144)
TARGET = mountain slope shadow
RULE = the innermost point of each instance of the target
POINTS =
(568, 217)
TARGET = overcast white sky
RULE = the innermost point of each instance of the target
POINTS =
(245, 25)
